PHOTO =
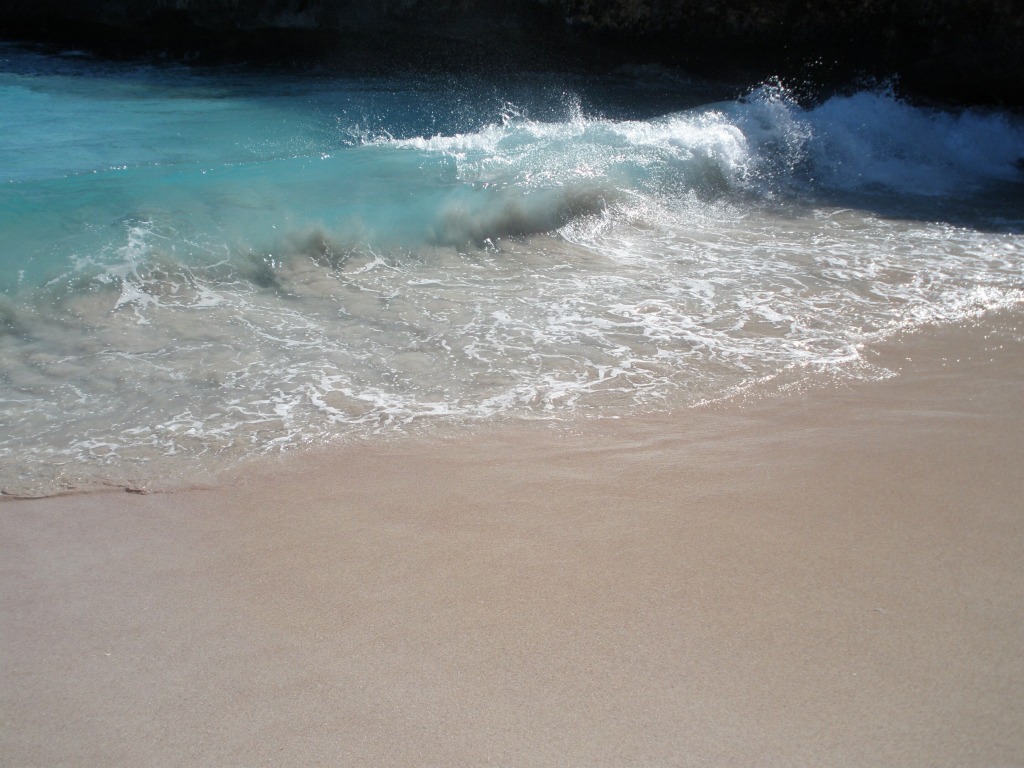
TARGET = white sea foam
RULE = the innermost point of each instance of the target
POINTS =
(871, 139)
(526, 268)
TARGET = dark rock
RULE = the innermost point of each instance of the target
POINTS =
(947, 50)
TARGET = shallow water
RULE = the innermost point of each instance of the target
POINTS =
(202, 267)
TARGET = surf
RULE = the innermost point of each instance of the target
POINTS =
(248, 264)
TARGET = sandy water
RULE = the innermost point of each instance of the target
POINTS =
(199, 268)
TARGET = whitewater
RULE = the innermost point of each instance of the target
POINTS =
(201, 268)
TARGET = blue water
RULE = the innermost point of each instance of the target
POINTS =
(201, 267)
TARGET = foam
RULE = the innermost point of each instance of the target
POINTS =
(519, 269)
(872, 139)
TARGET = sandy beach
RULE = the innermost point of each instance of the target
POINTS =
(832, 577)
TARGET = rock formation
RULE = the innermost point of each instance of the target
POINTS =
(944, 49)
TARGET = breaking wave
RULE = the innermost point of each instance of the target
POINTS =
(178, 314)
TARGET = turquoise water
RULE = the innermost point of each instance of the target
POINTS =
(202, 267)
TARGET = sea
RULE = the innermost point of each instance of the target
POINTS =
(202, 268)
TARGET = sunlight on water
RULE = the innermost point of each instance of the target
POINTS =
(197, 268)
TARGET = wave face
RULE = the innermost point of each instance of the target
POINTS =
(197, 269)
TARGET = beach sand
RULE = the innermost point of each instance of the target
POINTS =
(831, 577)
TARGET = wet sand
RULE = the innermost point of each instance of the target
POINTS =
(833, 577)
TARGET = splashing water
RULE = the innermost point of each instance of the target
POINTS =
(201, 268)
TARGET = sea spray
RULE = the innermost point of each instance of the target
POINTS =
(206, 268)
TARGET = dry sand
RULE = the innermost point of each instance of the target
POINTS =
(827, 578)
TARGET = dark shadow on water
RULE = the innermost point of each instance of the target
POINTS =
(996, 209)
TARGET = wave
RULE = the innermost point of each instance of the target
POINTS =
(523, 268)
(518, 177)
(522, 177)
(872, 140)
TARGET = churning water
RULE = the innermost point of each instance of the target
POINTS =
(198, 268)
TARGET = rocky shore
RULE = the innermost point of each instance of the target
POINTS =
(940, 50)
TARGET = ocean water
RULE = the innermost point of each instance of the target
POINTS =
(198, 268)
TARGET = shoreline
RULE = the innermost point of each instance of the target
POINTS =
(829, 576)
